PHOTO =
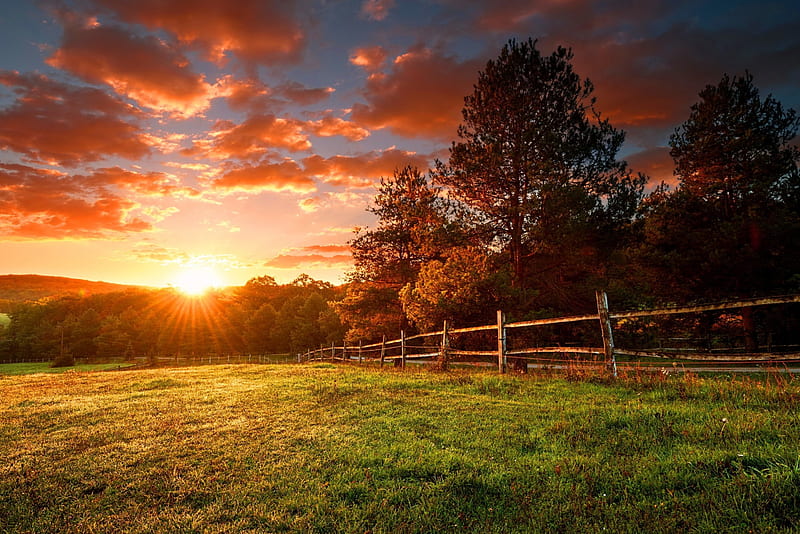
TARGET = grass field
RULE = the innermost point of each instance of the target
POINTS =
(45, 367)
(338, 449)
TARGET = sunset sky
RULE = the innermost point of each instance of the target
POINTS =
(141, 139)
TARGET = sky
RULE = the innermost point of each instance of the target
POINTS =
(142, 142)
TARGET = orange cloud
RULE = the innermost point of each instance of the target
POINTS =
(376, 9)
(314, 256)
(309, 261)
(150, 184)
(142, 68)
(339, 200)
(40, 203)
(277, 177)
(255, 96)
(299, 94)
(247, 95)
(251, 139)
(329, 249)
(655, 163)
(150, 252)
(421, 97)
(362, 170)
(67, 124)
(330, 126)
(510, 14)
(371, 58)
(257, 31)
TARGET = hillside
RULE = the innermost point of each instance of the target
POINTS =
(32, 287)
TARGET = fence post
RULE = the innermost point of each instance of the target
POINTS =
(501, 342)
(383, 349)
(402, 349)
(359, 351)
(445, 345)
(605, 329)
(333, 351)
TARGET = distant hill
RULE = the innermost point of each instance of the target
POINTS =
(33, 287)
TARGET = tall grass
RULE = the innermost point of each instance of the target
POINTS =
(337, 449)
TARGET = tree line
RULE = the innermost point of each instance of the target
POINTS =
(261, 317)
(532, 212)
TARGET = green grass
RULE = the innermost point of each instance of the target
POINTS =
(44, 367)
(339, 449)
(5, 320)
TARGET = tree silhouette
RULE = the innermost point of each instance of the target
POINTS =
(537, 164)
(732, 227)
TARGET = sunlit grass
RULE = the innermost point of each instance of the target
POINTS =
(336, 449)
(46, 367)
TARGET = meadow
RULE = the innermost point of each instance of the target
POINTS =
(334, 448)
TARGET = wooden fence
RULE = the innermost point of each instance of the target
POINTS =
(399, 351)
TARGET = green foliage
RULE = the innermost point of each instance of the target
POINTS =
(262, 318)
(337, 449)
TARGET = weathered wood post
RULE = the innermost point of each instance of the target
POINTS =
(359, 352)
(402, 349)
(383, 349)
(605, 329)
(333, 351)
(443, 356)
(502, 364)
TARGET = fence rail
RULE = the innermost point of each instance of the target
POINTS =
(401, 351)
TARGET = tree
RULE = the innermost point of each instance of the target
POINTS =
(412, 228)
(258, 329)
(463, 288)
(410, 214)
(257, 292)
(732, 227)
(734, 151)
(87, 328)
(537, 164)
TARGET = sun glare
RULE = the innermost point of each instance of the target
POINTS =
(197, 280)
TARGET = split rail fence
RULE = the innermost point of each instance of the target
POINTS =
(411, 348)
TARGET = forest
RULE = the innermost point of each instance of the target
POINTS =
(533, 211)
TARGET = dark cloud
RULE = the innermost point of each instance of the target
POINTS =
(421, 96)
(376, 9)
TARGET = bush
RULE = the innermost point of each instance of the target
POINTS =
(63, 360)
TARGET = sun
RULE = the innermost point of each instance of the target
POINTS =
(196, 280)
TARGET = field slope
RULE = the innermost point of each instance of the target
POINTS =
(32, 287)
(338, 449)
